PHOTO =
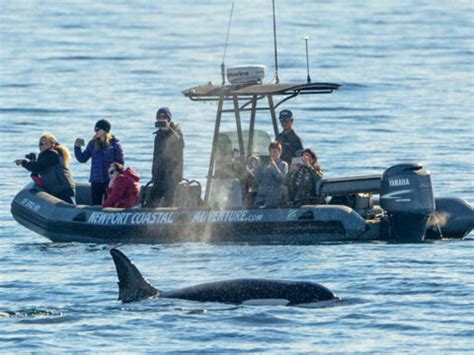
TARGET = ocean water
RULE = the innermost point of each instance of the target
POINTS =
(407, 74)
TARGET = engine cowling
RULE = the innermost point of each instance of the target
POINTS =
(407, 196)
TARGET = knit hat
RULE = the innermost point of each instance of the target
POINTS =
(285, 116)
(103, 124)
(310, 152)
(164, 111)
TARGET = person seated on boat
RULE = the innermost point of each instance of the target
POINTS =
(302, 180)
(250, 180)
(124, 187)
(51, 169)
(271, 177)
(104, 149)
(167, 169)
(289, 140)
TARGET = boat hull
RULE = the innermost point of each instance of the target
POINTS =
(62, 222)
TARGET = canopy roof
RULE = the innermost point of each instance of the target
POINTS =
(213, 92)
(245, 98)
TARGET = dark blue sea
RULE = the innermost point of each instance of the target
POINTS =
(408, 95)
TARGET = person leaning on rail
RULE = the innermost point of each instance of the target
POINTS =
(51, 169)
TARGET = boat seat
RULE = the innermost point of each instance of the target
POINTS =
(225, 193)
(188, 194)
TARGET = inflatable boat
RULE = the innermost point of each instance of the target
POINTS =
(407, 213)
(395, 206)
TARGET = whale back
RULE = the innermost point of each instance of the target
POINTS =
(251, 291)
(132, 285)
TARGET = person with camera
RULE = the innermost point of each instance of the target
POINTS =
(104, 149)
(51, 170)
(303, 179)
(167, 169)
(271, 179)
(124, 187)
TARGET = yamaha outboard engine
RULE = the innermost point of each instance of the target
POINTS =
(407, 196)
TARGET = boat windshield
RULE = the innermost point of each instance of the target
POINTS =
(228, 143)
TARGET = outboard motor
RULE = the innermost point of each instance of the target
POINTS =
(407, 195)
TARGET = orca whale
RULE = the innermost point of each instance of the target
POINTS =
(134, 287)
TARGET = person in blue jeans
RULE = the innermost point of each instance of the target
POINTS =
(104, 149)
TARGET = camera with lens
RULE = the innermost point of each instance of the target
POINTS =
(30, 156)
(161, 124)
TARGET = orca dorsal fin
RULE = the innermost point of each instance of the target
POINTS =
(132, 285)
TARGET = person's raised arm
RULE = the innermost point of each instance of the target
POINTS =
(44, 162)
(83, 156)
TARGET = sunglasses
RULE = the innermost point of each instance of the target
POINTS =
(40, 144)
(96, 129)
(112, 172)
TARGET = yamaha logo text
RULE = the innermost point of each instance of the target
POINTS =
(398, 182)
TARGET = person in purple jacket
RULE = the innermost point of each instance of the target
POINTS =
(104, 149)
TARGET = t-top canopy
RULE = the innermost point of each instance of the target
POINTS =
(212, 92)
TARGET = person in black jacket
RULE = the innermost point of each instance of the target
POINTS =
(51, 167)
(167, 169)
(302, 180)
(290, 141)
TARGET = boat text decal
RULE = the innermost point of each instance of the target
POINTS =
(119, 218)
(226, 216)
(30, 204)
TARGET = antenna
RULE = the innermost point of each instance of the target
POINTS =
(277, 79)
(225, 47)
(308, 78)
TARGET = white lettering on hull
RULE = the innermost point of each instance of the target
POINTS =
(123, 218)
(30, 204)
(225, 217)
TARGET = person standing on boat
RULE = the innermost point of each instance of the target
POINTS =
(303, 179)
(51, 169)
(290, 141)
(104, 149)
(167, 169)
(271, 177)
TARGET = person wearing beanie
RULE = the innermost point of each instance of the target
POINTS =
(104, 149)
(303, 179)
(289, 140)
(167, 168)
